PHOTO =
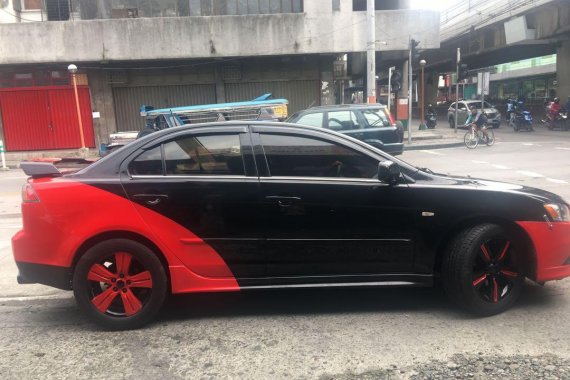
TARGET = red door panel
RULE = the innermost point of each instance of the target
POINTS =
(64, 118)
(26, 121)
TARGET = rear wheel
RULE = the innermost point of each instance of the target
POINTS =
(490, 137)
(482, 270)
(120, 284)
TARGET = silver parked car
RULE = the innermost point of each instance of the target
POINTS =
(493, 115)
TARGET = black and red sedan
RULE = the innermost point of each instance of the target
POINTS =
(230, 207)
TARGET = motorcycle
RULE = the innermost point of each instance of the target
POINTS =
(521, 121)
(560, 120)
(431, 120)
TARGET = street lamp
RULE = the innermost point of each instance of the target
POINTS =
(422, 124)
(73, 70)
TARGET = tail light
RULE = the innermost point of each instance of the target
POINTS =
(29, 194)
(392, 121)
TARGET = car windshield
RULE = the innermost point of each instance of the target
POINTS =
(478, 105)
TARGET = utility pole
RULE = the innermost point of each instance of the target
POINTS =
(371, 53)
(457, 86)
(410, 98)
(390, 86)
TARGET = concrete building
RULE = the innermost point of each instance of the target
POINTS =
(182, 52)
(526, 43)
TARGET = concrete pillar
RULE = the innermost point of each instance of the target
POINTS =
(431, 79)
(563, 71)
(220, 86)
(102, 102)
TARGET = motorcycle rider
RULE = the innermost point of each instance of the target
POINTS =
(430, 112)
(554, 109)
(510, 108)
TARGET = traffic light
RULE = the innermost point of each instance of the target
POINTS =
(396, 81)
(415, 53)
(463, 72)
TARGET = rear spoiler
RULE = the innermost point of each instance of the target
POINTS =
(40, 169)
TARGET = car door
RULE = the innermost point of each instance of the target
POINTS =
(378, 128)
(324, 213)
(205, 181)
(345, 121)
(462, 113)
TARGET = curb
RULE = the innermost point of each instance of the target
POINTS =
(432, 146)
(10, 215)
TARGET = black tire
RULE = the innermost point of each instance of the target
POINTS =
(121, 312)
(451, 123)
(465, 267)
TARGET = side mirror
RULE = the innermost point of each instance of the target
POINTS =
(388, 172)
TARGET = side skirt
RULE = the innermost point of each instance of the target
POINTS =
(398, 280)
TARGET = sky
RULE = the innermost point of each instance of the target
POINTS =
(432, 4)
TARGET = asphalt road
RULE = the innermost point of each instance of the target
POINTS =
(344, 334)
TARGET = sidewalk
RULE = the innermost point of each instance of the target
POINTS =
(440, 137)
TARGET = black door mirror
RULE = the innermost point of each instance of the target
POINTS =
(388, 172)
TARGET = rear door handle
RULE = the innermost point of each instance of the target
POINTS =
(283, 201)
(151, 199)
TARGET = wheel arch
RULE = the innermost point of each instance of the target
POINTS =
(511, 227)
(96, 239)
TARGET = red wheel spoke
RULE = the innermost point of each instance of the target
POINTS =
(103, 300)
(509, 273)
(100, 274)
(495, 291)
(130, 302)
(504, 252)
(123, 261)
(485, 253)
(141, 280)
(480, 280)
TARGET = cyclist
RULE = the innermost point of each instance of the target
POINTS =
(477, 120)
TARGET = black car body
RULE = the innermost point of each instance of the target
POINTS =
(249, 205)
(371, 123)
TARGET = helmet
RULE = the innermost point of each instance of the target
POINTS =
(430, 106)
(556, 100)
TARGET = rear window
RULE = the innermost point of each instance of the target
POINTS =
(376, 118)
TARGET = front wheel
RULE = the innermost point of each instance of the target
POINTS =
(120, 284)
(471, 140)
(482, 270)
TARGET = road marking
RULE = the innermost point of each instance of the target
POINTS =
(562, 148)
(479, 162)
(556, 180)
(502, 167)
(9, 178)
(528, 144)
(432, 152)
(36, 298)
(530, 174)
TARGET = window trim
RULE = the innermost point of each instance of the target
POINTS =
(231, 130)
(317, 136)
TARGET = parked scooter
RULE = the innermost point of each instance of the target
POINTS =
(431, 117)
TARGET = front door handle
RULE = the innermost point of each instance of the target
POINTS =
(283, 201)
(151, 199)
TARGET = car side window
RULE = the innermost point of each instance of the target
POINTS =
(300, 156)
(312, 119)
(148, 162)
(376, 118)
(461, 106)
(218, 154)
(342, 121)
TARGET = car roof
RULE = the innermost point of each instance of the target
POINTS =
(346, 106)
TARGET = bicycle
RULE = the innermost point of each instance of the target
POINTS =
(477, 135)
